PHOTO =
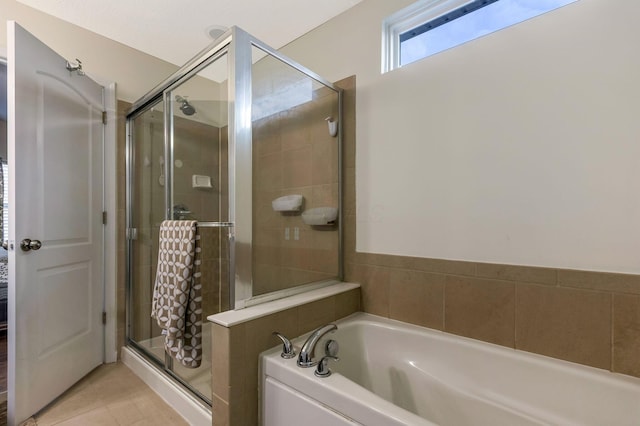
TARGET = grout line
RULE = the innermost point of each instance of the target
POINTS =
(515, 315)
(612, 337)
(444, 304)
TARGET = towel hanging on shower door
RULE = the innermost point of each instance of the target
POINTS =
(177, 299)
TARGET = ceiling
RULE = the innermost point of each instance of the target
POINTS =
(176, 30)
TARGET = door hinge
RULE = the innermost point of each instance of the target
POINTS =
(104, 218)
(104, 318)
(104, 117)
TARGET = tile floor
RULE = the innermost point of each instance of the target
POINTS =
(109, 395)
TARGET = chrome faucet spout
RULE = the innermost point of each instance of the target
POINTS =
(305, 359)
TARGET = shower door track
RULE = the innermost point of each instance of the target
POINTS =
(162, 368)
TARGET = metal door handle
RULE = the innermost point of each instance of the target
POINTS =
(28, 244)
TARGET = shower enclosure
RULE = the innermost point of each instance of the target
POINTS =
(244, 141)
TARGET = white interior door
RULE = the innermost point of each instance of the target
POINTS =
(55, 150)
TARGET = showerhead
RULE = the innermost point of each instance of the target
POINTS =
(186, 107)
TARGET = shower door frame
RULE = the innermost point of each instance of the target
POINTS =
(162, 93)
(243, 289)
(237, 45)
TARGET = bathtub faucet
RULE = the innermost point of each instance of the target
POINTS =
(305, 359)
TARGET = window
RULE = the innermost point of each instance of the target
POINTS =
(431, 26)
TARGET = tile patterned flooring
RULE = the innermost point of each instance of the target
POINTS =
(110, 395)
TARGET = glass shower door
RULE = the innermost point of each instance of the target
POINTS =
(198, 138)
(241, 127)
(294, 152)
(178, 170)
(146, 210)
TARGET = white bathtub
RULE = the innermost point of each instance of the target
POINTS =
(392, 373)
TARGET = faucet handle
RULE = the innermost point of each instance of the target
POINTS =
(331, 347)
(323, 370)
(287, 348)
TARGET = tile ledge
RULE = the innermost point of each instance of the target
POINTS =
(231, 318)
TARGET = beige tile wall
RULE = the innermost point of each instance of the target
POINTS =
(626, 334)
(148, 213)
(293, 153)
(571, 321)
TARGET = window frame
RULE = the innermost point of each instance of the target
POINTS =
(406, 19)
(426, 15)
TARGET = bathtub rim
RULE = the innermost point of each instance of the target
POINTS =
(481, 344)
(302, 380)
(597, 374)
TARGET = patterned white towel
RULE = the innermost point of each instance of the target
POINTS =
(177, 299)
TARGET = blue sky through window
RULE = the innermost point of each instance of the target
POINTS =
(488, 19)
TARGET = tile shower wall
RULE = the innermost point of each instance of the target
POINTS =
(591, 318)
(197, 151)
(293, 153)
(147, 215)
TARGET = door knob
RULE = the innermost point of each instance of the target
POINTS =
(28, 244)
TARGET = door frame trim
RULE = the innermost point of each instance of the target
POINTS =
(110, 230)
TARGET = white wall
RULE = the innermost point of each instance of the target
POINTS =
(520, 147)
(135, 72)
